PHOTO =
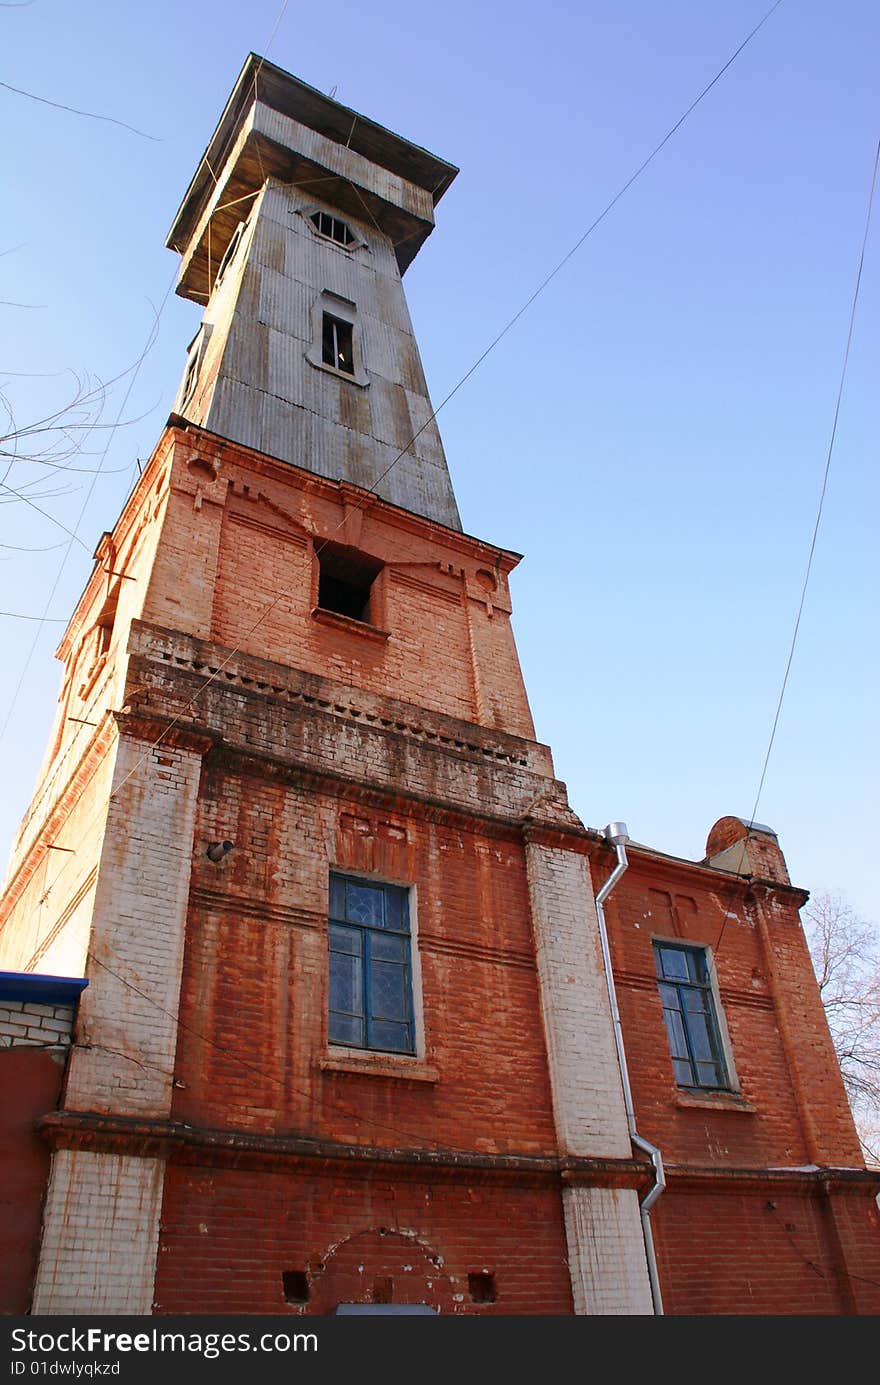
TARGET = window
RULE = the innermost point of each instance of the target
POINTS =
(231, 248)
(690, 1016)
(370, 984)
(332, 228)
(345, 580)
(194, 364)
(337, 348)
(337, 339)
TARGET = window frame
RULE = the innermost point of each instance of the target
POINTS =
(230, 252)
(337, 343)
(365, 932)
(706, 986)
(343, 311)
(195, 358)
(319, 212)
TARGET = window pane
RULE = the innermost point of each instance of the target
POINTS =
(674, 963)
(394, 1037)
(345, 983)
(346, 1029)
(683, 1073)
(365, 905)
(388, 1000)
(395, 912)
(675, 1033)
(710, 1075)
(669, 997)
(388, 947)
(695, 999)
(344, 939)
(696, 965)
(701, 1044)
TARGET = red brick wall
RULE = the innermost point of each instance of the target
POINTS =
(228, 1235)
(30, 1082)
(794, 1105)
(255, 973)
(237, 565)
(767, 1252)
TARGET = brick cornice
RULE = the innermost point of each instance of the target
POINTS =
(183, 1144)
(808, 1180)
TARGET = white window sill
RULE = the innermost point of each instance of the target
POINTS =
(715, 1101)
(411, 1069)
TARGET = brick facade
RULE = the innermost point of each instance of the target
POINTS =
(213, 1150)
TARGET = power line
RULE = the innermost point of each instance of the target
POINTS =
(818, 520)
(72, 110)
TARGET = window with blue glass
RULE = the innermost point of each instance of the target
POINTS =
(370, 990)
(690, 1017)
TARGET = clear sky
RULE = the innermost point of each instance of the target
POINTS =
(652, 434)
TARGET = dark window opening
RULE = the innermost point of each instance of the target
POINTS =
(345, 580)
(296, 1286)
(370, 975)
(332, 228)
(481, 1287)
(689, 1016)
(383, 1291)
(105, 635)
(337, 347)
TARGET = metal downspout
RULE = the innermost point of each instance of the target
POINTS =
(616, 834)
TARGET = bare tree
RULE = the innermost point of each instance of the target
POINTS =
(846, 958)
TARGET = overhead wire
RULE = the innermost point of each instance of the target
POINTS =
(815, 532)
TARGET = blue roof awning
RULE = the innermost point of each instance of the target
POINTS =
(41, 990)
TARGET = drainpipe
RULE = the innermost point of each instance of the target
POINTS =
(617, 835)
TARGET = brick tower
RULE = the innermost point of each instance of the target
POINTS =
(346, 1036)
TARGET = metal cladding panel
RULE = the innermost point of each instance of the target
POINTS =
(265, 382)
(286, 304)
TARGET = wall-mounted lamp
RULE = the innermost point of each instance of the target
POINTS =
(218, 851)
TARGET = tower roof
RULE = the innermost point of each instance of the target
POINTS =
(261, 134)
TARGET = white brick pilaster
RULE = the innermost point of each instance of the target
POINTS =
(101, 1222)
(606, 1251)
(100, 1233)
(584, 1074)
(605, 1247)
(127, 1031)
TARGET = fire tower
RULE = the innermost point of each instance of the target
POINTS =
(346, 1035)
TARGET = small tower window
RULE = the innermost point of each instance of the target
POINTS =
(337, 344)
(332, 228)
(345, 580)
(194, 364)
(231, 248)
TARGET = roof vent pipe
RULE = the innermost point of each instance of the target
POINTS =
(616, 835)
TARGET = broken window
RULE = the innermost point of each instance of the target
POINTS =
(337, 344)
(345, 580)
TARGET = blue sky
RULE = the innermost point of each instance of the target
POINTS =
(651, 435)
